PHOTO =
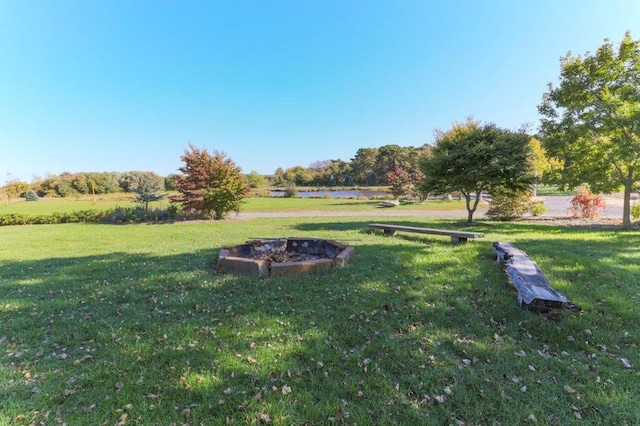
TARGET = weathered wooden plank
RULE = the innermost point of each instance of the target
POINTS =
(456, 236)
(525, 274)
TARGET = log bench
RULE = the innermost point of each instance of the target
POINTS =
(534, 291)
(456, 236)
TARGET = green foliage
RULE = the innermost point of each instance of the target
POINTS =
(118, 215)
(80, 216)
(291, 191)
(210, 183)
(591, 119)
(538, 208)
(256, 180)
(363, 164)
(15, 189)
(170, 182)
(147, 188)
(31, 195)
(635, 210)
(473, 158)
(509, 205)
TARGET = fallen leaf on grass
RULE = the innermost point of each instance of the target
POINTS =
(122, 420)
(626, 363)
(568, 389)
(81, 360)
(265, 418)
(286, 389)
(440, 398)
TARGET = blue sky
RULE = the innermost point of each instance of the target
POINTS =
(126, 85)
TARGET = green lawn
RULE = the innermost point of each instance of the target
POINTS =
(273, 204)
(107, 324)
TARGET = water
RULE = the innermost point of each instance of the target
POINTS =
(334, 194)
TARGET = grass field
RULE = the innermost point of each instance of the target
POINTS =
(106, 324)
(273, 204)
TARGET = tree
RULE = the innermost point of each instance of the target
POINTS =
(170, 182)
(31, 195)
(540, 163)
(591, 120)
(147, 189)
(402, 182)
(15, 188)
(256, 180)
(210, 183)
(473, 158)
(363, 165)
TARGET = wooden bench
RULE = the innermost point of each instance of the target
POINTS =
(456, 236)
(534, 291)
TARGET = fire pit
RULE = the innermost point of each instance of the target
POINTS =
(283, 256)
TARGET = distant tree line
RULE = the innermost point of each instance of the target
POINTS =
(70, 184)
(369, 167)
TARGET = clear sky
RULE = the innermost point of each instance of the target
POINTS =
(114, 85)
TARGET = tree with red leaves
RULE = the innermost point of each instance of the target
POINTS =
(211, 184)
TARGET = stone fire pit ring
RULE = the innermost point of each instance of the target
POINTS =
(272, 257)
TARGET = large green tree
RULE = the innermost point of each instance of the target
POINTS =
(210, 183)
(363, 165)
(474, 158)
(591, 120)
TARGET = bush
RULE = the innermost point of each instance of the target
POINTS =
(173, 211)
(586, 205)
(210, 183)
(291, 191)
(635, 210)
(509, 206)
(118, 215)
(31, 195)
(538, 208)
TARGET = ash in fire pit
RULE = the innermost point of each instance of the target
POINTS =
(283, 256)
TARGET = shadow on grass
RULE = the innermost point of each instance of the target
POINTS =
(164, 339)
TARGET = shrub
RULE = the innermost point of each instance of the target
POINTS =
(31, 195)
(635, 210)
(210, 183)
(291, 191)
(586, 205)
(173, 211)
(538, 208)
(509, 206)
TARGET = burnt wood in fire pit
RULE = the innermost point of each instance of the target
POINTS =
(283, 256)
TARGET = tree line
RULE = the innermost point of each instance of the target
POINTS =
(368, 167)
(84, 183)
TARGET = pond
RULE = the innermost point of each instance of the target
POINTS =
(352, 193)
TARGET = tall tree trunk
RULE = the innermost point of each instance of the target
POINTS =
(626, 206)
(471, 210)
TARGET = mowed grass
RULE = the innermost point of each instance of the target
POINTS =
(251, 204)
(105, 324)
